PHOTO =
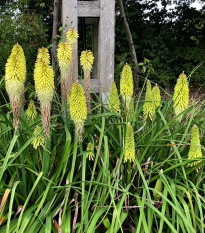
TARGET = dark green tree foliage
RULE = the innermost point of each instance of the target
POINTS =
(173, 40)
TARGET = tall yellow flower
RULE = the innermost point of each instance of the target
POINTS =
(31, 111)
(195, 148)
(72, 36)
(158, 187)
(78, 109)
(129, 144)
(39, 139)
(156, 96)
(43, 53)
(181, 94)
(114, 101)
(64, 55)
(90, 151)
(149, 106)
(86, 61)
(15, 74)
(44, 86)
(126, 85)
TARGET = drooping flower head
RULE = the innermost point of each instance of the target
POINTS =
(114, 101)
(195, 147)
(156, 96)
(72, 36)
(64, 55)
(15, 74)
(181, 94)
(129, 150)
(149, 106)
(78, 109)
(158, 187)
(31, 111)
(86, 60)
(39, 139)
(90, 151)
(126, 85)
(44, 86)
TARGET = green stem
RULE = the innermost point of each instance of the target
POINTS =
(129, 172)
(83, 184)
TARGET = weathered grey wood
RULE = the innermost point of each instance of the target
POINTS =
(70, 18)
(94, 85)
(88, 8)
(106, 45)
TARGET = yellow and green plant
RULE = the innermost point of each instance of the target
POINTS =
(149, 106)
(114, 101)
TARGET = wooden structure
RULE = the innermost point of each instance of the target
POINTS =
(101, 14)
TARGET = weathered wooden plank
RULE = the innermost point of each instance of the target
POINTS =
(94, 85)
(88, 8)
(106, 46)
(70, 18)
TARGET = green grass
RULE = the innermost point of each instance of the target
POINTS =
(57, 187)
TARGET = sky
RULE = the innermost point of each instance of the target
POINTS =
(196, 5)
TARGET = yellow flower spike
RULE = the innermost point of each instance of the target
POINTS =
(39, 139)
(31, 111)
(89, 152)
(126, 85)
(44, 86)
(64, 55)
(43, 53)
(149, 106)
(114, 101)
(158, 187)
(78, 109)
(195, 147)
(156, 95)
(15, 74)
(181, 95)
(86, 61)
(72, 36)
(129, 144)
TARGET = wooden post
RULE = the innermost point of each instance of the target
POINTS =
(106, 45)
(103, 38)
(70, 18)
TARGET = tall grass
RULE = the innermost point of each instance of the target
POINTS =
(55, 188)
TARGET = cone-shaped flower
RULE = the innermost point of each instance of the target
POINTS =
(90, 151)
(31, 111)
(86, 61)
(149, 106)
(195, 148)
(43, 53)
(114, 101)
(129, 144)
(156, 96)
(44, 86)
(181, 94)
(39, 139)
(15, 74)
(158, 187)
(64, 55)
(72, 36)
(78, 109)
(126, 85)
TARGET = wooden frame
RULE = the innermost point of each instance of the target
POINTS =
(103, 37)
